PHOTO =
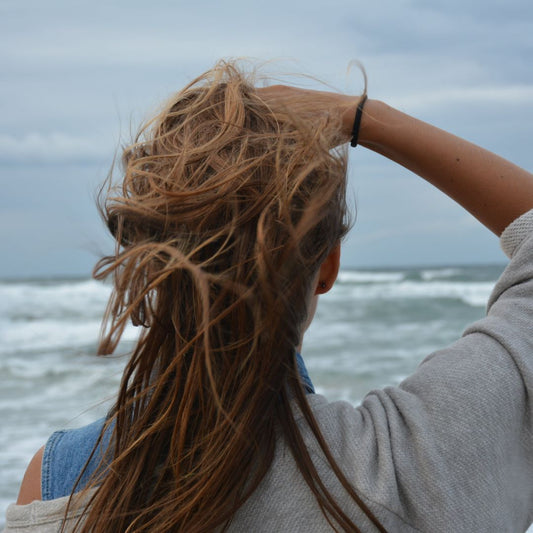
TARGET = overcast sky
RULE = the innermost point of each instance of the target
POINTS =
(78, 76)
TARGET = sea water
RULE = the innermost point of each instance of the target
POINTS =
(371, 330)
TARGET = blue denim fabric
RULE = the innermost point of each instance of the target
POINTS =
(304, 375)
(65, 455)
(67, 451)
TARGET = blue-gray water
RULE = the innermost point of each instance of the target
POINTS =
(371, 330)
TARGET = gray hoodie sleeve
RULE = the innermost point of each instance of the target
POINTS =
(459, 429)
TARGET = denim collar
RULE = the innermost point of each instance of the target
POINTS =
(304, 375)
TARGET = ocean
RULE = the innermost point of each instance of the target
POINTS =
(371, 330)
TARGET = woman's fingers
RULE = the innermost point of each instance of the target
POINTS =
(313, 104)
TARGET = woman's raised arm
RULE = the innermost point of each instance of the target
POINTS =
(493, 189)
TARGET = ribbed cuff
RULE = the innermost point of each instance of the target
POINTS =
(516, 232)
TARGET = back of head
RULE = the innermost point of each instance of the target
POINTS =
(226, 210)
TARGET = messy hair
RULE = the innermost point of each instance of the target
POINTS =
(224, 213)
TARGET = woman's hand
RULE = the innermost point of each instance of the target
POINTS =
(319, 104)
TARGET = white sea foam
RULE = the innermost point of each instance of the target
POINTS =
(475, 294)
(53, 316)
(48, 335)
(361, 276)
(28, 300)
(439, 273)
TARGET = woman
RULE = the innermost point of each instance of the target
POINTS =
(228, 224)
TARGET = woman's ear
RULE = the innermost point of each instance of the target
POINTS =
(329, 270)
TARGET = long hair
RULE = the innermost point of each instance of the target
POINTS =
(225, 212)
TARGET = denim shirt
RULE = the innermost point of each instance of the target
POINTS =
(67, 452)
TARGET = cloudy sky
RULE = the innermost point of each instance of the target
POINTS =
(78, 76)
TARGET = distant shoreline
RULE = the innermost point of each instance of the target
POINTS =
(58, 278)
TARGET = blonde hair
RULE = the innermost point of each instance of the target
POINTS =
(225, 212)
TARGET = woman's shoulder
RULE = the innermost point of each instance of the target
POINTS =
(55, 468)
(30, 489)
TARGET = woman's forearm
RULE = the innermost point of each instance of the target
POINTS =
(494, 190)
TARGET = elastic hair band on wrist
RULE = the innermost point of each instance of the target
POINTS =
(357, 121)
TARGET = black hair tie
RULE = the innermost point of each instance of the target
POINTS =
(357, 121)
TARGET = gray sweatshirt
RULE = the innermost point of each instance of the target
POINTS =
(448, 450)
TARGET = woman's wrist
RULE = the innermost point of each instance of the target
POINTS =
(373, 123)
(348, 105)
(370, 124)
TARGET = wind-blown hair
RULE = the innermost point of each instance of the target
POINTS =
(225, 212)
